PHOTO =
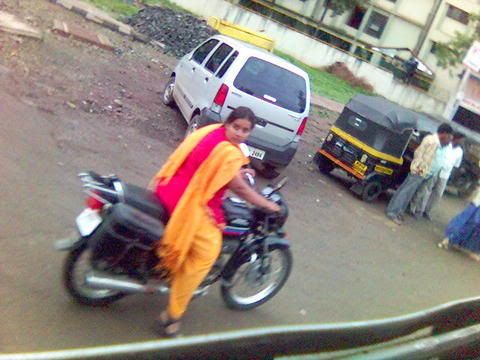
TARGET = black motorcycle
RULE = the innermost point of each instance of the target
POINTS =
(114, 255)
(465, 179)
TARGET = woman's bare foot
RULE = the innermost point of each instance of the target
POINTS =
(473, 256)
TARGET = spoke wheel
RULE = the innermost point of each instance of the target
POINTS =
(256, 282)
(77, 266)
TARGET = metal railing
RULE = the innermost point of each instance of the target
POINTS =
(454, 326)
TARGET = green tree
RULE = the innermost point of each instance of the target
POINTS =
(340, 6)
(450, 54)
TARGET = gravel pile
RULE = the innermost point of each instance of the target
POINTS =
(179, 32)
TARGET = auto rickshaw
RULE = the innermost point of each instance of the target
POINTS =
(373, 140)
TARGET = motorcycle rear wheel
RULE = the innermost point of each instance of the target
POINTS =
(74, 277)
(250, 274)
(466, 185)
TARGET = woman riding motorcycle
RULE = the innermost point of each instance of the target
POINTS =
(191, 185)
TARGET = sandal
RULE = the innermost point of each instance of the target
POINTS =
(444, 244)
(167, 327)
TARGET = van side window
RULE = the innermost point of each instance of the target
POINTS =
(218, 56)
(227, 64)
(202, 52)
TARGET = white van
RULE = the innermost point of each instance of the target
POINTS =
(222, 74)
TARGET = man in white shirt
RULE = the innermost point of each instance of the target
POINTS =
(420, 200)
(454, 160)
(420, 172)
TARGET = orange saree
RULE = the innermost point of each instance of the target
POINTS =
(210, 176)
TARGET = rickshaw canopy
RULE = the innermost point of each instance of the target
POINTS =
(384, 113)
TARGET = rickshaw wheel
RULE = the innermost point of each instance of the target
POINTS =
(324, 165)
(372, 191)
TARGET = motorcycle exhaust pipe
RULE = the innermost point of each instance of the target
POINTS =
(102, 282)
(128, 286)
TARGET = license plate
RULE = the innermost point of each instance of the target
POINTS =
(256, 153)
(88, 221)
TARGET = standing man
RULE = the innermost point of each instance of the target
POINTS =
(420, 200)
(419, 172)
(410, 69)
(454, 160)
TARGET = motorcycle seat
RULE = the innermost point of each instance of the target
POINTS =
(145, 201)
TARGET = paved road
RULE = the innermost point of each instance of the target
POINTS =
(350, 263)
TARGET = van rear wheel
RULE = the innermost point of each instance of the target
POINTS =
(269, 172)
(193, 126)
(168, 93)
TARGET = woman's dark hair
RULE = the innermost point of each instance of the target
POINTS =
(242, 112)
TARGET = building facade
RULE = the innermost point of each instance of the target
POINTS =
(415, 24)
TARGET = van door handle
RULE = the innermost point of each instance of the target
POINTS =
(206, 79)
(193, 69)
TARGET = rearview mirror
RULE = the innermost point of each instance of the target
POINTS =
(281, 184)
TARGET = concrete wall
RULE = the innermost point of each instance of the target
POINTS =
(317, 54)
(417, 13)
(400, 33)
(301, 7)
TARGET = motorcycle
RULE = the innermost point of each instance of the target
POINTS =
(114, 254)
(465, 179)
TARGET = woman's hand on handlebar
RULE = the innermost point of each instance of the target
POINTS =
(272, 207)
(239, 186)
(246, 171)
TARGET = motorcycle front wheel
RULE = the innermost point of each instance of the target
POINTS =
(76, 266)
(256, 282)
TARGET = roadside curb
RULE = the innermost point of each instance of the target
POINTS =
(66, 30)
(11, 24)
(98, 16)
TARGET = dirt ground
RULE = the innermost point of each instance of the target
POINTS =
(66, 107)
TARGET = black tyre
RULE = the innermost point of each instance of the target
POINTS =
(269, 172)
(251, 275)
(465, 185)
(324, 165)
(168, 93)
(76, 265)
(193, 126)
(371, 191)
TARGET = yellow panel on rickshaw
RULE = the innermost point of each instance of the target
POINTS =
(241, 33)
(360, 167)
(383, 170)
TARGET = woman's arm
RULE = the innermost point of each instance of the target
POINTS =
(242, 189)
(247, 171)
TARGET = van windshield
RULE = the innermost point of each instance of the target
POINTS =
(272, 83)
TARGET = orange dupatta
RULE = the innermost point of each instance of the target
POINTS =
(216, 171)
